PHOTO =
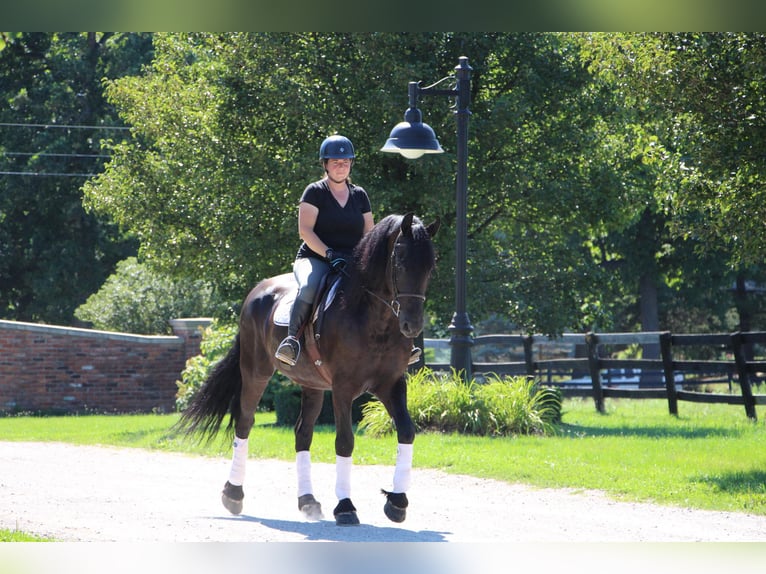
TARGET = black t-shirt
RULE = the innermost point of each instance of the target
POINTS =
(340, 228)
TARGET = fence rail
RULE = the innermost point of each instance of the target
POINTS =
(680, 367)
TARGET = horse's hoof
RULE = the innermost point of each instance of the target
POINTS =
(396, 506)
(346, 519)
(232, 497)
(394, 513)
(310, 507)
(345, 513)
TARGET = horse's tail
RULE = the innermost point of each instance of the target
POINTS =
(220, 394)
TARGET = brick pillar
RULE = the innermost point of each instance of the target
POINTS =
(190, 330)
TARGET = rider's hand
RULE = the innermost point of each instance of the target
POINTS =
(337, 262)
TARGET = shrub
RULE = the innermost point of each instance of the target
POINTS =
(281, 394)
(216, 341)
(287, 403)
(500, 406)
(137, 299)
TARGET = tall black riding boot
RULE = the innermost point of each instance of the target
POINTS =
(290, 348)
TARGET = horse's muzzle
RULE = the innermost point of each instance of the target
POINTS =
(410, 326)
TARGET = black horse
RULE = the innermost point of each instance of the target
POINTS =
(363, 345)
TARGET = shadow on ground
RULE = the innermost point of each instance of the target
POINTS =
(328, 531)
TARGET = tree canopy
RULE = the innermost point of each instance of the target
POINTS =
(614, 180)
(226, 130)
(710, 91)
(53, 253)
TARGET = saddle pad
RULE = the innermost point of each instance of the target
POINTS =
(285, 305)
(282, 312)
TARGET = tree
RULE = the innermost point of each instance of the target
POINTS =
(226, 133)
(7, 38)
(702, 97)
(53, 253)
(578, 218)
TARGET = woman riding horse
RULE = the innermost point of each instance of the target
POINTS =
(365, 346)
(333, 215)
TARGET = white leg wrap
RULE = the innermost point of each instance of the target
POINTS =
(238, 462)
(342, 477)
(403, 470)
(303, 467)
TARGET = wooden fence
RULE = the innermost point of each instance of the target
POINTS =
(687, 367)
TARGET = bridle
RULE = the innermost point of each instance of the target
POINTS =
(394, 305)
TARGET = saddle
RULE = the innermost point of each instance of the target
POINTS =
(311, 331)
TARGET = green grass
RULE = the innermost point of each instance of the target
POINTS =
(18, 536)
(710, 456)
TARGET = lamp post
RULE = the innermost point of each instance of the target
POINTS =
(412, 138)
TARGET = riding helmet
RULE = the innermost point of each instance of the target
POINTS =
(336, 147)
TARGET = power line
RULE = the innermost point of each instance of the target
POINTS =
(44, 154)
(61, 126)
(64, 155)
(46, 174)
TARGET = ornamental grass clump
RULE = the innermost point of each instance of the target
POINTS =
(497, 407)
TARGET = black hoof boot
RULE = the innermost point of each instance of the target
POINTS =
(232, 497)
(396, 506)
(310, 507)
(345, 513)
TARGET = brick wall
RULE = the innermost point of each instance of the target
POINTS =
(54, 369)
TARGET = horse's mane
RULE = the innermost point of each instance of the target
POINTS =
(371, 256)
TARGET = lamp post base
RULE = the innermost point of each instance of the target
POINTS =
(461, 342)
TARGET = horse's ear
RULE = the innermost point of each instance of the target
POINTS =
(434, 226)
(406, 226)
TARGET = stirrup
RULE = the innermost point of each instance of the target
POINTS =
(415, 355)
(289, 350)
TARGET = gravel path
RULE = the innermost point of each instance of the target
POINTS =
(100, 494)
